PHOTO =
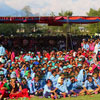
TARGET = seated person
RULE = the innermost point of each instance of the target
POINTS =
(14, 87)
(49, 90)
(4, 89)
(90, 86)
(24, 87)
(54, 77)
(73, 87)
(62, 88)
(17, 90)
(96, 78)
(37, 86)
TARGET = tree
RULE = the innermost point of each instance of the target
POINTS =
(62, 30)
(52, 14)
(27, 12)
(66, 13)
(8, 29)
(65, 28)
(93, 28)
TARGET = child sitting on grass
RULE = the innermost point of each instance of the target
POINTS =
(38, 89)
(74, 87)
(90, 86)
(62, 88)
(49, 90)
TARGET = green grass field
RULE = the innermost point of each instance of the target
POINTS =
(94, 97)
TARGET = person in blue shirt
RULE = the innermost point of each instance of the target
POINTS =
(2, 51)
(96, 78)
(32, 75)
(46, 60)
(38, 89)
(61, 69)
(82, 76)
(31, 63)
(27, 63)
(24, 69)
(50, 63)
(62, 88)
(61, 76)
(67, 80)
(48, 73)
(43, 77)
(19, 78)
(86, 46)
(65, 69)
(76, 74)
(33, 72)
(29, 82)
(57, 70)
(73, 87)
(27, 57)
(53, 61)
(98, 46)
(2, 67)
(90, 86)
(49, 90)
(54, 77)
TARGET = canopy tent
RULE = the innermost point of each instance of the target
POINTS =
(78, 20)
(54, 21)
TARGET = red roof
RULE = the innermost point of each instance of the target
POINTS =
(54, 21)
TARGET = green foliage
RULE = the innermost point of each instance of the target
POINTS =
(8, 29)
(66, 27)
(65, 13)
(28, 27)
(94, 28)
(59, 30)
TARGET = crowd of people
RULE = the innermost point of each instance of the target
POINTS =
(39, 43)
(51, 74)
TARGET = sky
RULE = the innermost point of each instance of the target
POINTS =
(44, 7)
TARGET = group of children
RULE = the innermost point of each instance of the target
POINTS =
(54, 74)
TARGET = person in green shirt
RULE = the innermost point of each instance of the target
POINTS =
(4, 87)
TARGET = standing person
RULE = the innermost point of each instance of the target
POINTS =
(91, 45)
(2, 50)
(96, 47)
(86, 46)
(12, 56)
(82, 44)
